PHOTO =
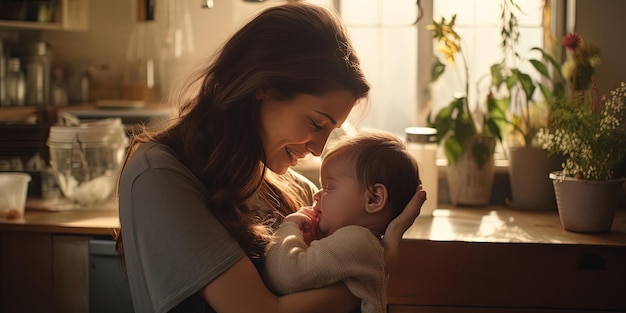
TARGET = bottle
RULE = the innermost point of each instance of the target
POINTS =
(178, 44)
(58, 88)
(3, 76)
(144, 64)
(15, 84)
(78, 85)
(38, 75)
(422, 144)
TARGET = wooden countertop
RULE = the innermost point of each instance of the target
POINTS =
(491, 224)
(504, 224)
(99, 220)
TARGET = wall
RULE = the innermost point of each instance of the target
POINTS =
(601, 22)
(111, 23)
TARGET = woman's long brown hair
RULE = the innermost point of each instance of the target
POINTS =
(292, 49)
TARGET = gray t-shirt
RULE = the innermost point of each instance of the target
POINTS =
(173, 243)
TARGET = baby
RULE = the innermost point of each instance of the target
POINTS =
(366, 181)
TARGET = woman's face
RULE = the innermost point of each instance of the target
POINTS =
(342, 199)
(291, 129)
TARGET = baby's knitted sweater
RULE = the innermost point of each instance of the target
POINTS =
(351, 254)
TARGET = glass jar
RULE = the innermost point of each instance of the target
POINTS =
(87, 158)
(422, 144)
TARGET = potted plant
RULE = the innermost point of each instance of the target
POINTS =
(468, 135)
(590, 131)
(528, 101)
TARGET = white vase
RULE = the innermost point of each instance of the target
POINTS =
(586, 206)
(468, 183)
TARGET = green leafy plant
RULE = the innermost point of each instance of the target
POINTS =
(590, 131)
(456, 123)
(516, 90)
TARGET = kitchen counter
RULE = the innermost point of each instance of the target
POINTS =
(499, 224)
(497, 259)
(46, 253)
(462, 259)
(41, 218)
(491, 224)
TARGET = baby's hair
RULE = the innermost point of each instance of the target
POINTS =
(380, 157)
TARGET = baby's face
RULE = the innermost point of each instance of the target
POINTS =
(341, 201)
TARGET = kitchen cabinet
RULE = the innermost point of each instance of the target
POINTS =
(462, 260)
(497, 259)
(44, 259)
(70, 15)
(43, 272)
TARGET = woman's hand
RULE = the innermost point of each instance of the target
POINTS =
(306, 218)
(397, 227)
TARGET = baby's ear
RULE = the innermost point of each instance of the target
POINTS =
(376, 198)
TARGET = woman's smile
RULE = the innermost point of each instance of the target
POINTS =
(295, 156)
(293, 128)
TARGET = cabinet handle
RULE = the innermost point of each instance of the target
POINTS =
(591, 261)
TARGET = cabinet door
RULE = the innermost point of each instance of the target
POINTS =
(70, 257)
(422, 309)
(41, 272)
(25, 272)
(509, 275)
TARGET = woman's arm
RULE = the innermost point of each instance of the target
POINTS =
(397, 227)
(240, 289)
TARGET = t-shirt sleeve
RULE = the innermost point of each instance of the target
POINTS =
(173, 242)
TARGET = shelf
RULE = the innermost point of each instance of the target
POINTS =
(16, 114)
(71, 15)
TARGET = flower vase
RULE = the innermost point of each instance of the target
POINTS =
(470, 184)
(586, 206)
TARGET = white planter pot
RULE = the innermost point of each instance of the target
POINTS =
(586, 206)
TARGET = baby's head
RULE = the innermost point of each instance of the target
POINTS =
(366, 179)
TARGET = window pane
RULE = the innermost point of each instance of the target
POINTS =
(399, 12)
(386, 42)
(385, 39)
(479, 25)
(359, 12)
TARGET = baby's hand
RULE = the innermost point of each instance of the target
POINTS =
(306, 219)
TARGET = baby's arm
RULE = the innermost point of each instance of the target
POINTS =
(307, 220)
(293, 266)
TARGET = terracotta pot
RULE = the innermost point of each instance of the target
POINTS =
(468, 183)
(586, 206)
(531, 188)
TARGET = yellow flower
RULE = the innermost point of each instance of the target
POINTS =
(449, 40)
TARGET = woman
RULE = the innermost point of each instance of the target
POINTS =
(196, 199)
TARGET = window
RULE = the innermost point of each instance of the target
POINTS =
(385, 37)
(479, 24)
(396, 53)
